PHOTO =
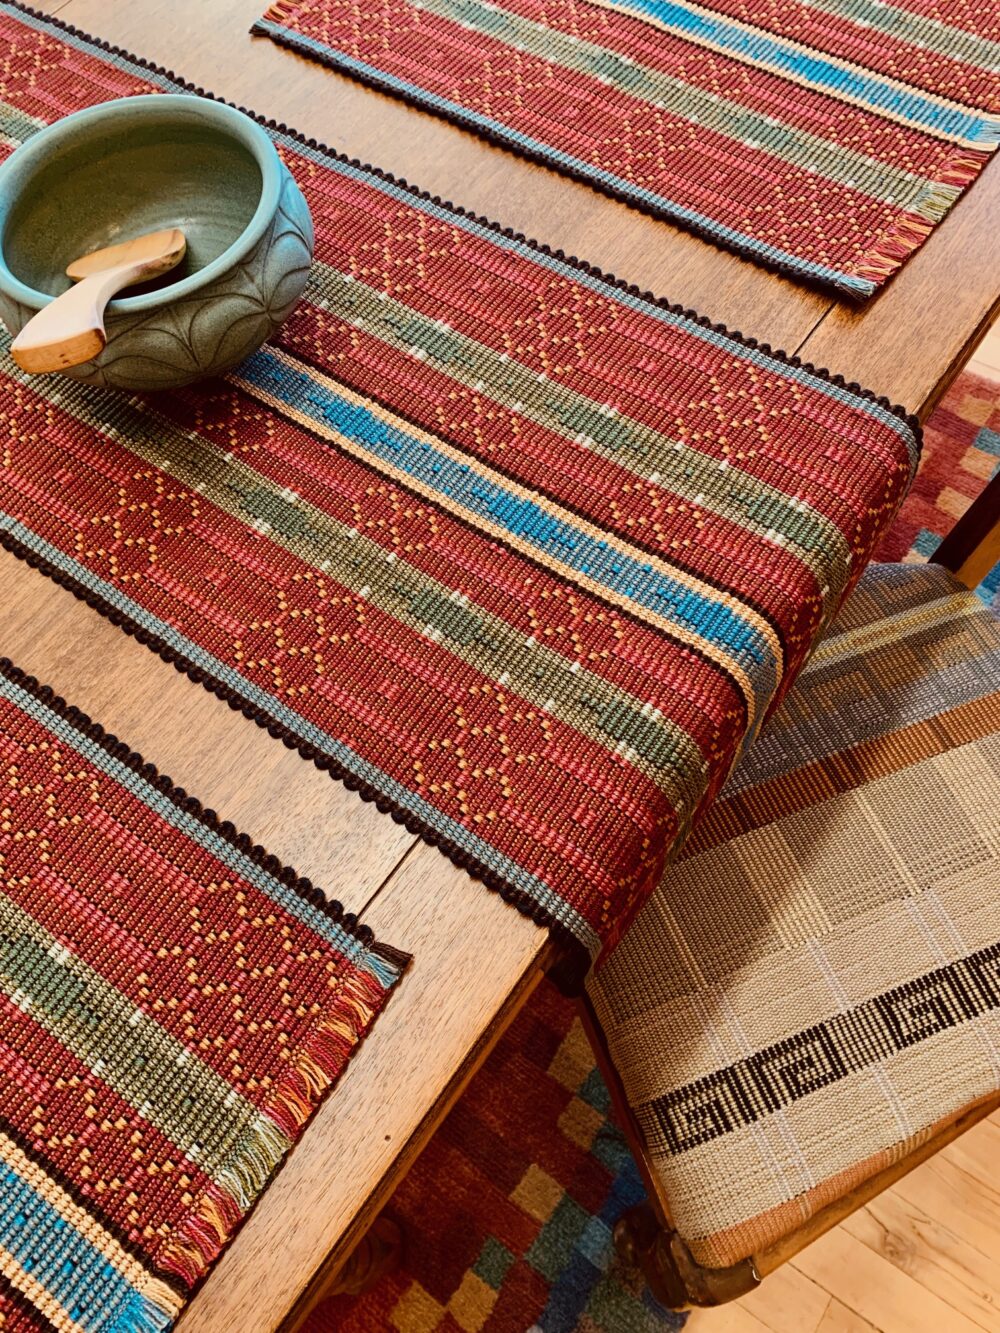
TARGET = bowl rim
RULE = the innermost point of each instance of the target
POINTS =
(30, 155)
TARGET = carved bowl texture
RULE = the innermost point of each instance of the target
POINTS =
(135, 165)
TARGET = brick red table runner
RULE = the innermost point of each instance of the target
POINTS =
(824, 139)
(520, 554)
(173, 1006)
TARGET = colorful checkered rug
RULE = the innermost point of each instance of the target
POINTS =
(173, 1005)
(520, 554)
(507, 1216)
(825, 140)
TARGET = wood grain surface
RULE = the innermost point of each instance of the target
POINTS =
(475, 958)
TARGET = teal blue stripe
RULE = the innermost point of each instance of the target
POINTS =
(760, 48)
(712, 620)
(429, 815)
(76, 1275)
(567, 272)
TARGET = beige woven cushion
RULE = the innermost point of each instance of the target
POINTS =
(816, 985)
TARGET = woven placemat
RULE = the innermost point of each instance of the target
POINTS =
(174, 1004)
(519, 553)
(824, 140)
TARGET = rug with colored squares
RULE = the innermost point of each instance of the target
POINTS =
(520, 554)
(507, 1216)
(174, 1004)
(824, 140)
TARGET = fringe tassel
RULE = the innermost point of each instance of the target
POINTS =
(989, 133)
(200, 1238)
(314, 1069)
(152, 1309)
(245, 1177)
(931, 205)
(282, 10)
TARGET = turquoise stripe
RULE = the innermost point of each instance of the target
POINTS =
(844, 282)
(65, 1263)
(659, 204)
(842, 80)
(268, 704)
(523, 518)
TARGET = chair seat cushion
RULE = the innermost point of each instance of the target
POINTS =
(815, 986)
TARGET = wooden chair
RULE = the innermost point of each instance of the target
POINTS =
(809, 1006)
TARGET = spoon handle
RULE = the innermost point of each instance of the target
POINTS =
(70, 329)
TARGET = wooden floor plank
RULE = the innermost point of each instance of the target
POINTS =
(958, 1200)
(733, 1318)
(840, 1319)
(787, 1302)
(876, 1289)
(933, 1255)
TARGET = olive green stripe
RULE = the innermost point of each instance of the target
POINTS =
(16, 125)
(711, 111)
(591, 705)
(917, 29)
(687, 472)
(167, 1083)
(696, 478)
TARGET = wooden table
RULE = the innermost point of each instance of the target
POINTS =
(907, 344)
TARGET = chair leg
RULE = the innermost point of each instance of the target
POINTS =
(376, 1254)
(672, 1275)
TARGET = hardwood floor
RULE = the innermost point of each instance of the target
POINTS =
(985, 359)
(922, 1258)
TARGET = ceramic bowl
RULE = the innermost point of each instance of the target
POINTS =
(138, 164)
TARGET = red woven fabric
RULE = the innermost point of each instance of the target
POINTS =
(173, 1006)
(521, 555)
(824, 140)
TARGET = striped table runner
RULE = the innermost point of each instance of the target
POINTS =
(521, 555)
(823, 138)
(173, 1006)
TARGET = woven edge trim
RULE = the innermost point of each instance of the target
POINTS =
(224, 828)
(509, 142)
(577, 959)
(487, 224)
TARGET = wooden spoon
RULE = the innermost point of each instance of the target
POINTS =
(70, 329)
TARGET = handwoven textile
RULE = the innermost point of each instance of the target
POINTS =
(825, 139)
(518, 553)
(529, 1172)
(816, 986)
(173, 1005)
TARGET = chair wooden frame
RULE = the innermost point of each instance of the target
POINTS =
(645, 1237)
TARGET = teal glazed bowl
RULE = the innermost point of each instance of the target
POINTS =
(139, 164)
